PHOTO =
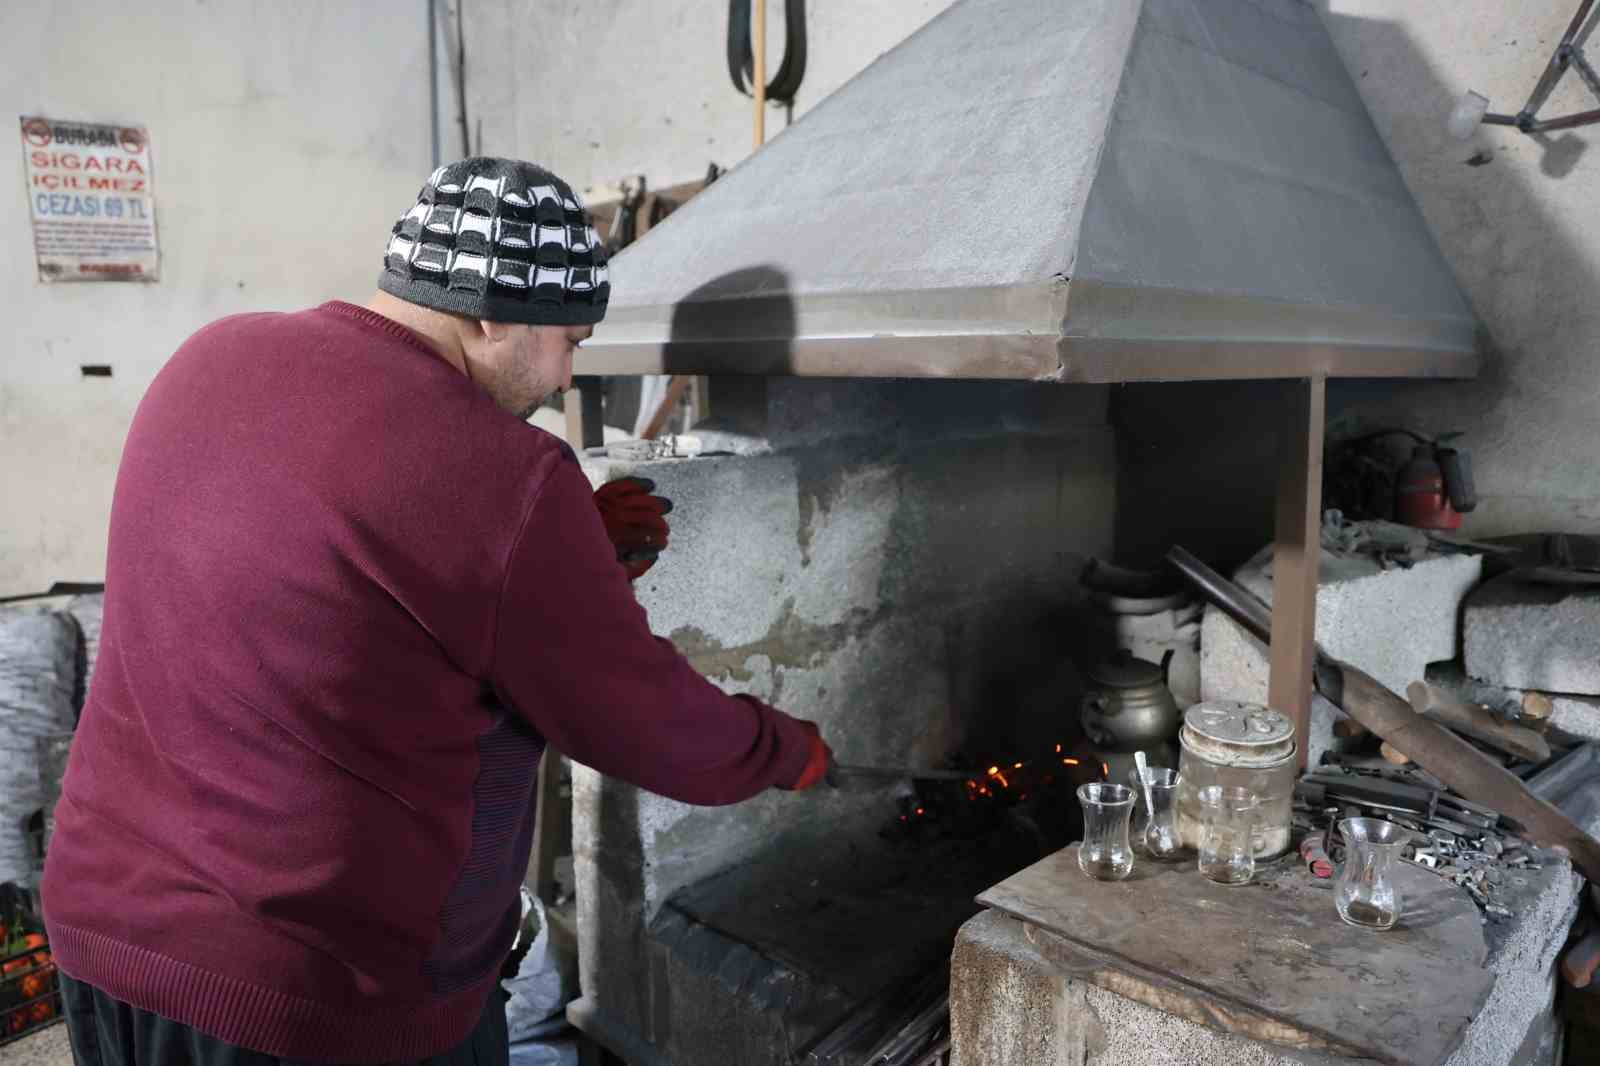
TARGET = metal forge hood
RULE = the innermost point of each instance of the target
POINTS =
(1059, 190)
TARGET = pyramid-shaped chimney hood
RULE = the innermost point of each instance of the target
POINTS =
(1059, 190)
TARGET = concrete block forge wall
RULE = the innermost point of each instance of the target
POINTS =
(900, 567)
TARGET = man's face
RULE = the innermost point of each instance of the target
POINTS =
(522, 366)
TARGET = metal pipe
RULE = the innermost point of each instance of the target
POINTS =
(1566, 122)
(1585, 71)
(1493, 119)
(1244, 607)
(433, 79)
(1576, 25)
(1560, 777)
(758, 90)
(1558, 62)
(461, 81)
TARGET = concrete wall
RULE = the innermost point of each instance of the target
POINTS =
(1523, 237)
(285, 144)
(608, 89)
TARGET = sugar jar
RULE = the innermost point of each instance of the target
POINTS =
(1238, 745)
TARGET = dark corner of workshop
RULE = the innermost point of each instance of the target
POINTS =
(766, 533)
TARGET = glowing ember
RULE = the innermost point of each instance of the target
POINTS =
(994, 771)
(1016, 766)
(1058, 749)
(1070, 761)
(1105, 770)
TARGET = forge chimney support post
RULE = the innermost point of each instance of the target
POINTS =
(1296, 553)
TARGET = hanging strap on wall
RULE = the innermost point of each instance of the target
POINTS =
(741, 61)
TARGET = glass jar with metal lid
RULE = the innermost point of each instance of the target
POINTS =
(1243, 745)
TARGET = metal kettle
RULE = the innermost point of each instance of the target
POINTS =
(1127, 704)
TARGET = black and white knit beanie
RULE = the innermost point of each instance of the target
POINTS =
(499, 240)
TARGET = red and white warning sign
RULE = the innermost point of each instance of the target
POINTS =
(89, 192)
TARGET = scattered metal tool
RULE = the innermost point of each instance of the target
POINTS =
(1457, 763)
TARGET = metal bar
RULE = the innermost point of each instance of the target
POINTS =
(1297, 557)
(1493, 119)
(1566, 122)
(1243, 607)
(1582, 36)
(1024, 358)
(1558, 62)
(1575, 27)
(1586, 71)
(433, 79)
(1564, 774)
(897, 773)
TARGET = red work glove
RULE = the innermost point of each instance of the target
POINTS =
(634, 521)
(816, 762)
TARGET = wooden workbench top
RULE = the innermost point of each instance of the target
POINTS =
(1270, 960)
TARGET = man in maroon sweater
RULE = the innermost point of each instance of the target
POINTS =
(350, 595)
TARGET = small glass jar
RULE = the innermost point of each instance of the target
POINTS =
(1227, 830)
(1105, 853)
(1155, 822)
(1365, 892)
(1239, 745)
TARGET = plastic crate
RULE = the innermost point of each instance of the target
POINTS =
(30, 994)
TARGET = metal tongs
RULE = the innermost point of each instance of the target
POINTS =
(843, 776)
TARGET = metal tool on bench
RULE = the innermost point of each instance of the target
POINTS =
(1462, 767)
(842, 774)
(1432, 806)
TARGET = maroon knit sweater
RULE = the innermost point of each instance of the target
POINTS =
(347, 600)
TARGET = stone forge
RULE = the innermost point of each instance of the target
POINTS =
(896, 561)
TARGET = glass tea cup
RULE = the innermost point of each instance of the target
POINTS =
(1227, 832)
(1365, 891)
(1155, 832)
(1105, 854)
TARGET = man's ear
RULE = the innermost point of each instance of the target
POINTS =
(494, 332)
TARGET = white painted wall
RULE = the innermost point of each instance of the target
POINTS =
(1522, 232)
(252, 103)
(287, 138)
(601, 90)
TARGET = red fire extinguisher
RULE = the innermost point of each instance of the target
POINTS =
(1435, 488)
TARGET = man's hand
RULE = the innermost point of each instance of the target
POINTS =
(818, 760)
(634, 520)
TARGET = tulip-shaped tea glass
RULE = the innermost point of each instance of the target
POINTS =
(1156, 832)
(1227, 829)
(1105, 853)
(1365, 892)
